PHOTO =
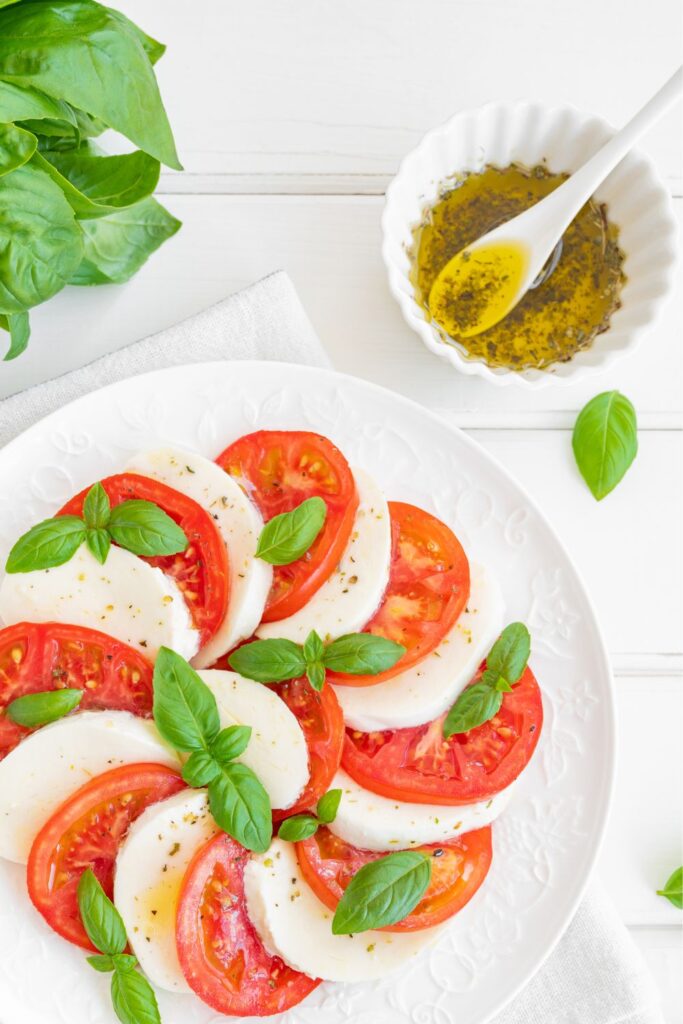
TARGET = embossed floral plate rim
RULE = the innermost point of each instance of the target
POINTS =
(545, 844)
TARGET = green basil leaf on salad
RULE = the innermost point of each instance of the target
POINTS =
(35, 709)
(362, 654)
(184, 708)
(145, 529)
(46, 545)
(96, 507)
(383, 892)
(287, 537)
(475, 705)
(605, 441)
(313, 647)
(328, 805)
(301, 826)
(99, 543)
(269, 661)
(133, 998)
(100, 917)
(315, 673)
(673, 890)
(230, 743)
(509, 655)
(101, 962)
(200, 769)
(241, 806)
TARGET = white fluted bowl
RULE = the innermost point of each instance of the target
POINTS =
(562, 138)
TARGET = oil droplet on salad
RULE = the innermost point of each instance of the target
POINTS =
(552, 322)
(477, 288)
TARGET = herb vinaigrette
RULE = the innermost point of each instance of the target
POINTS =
(552, 322)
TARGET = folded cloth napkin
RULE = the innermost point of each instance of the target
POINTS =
(595, 975)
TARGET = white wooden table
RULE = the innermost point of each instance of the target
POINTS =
(290, 118)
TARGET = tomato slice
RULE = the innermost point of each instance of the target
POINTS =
(220, 953)
(86, 832)
(279, 469)
(322, 722)
(429, 583)
(420, 766)
(459, 866)
(201, 571)
(35, 657)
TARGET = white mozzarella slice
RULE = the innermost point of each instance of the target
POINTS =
(373, 822)
(150, 867)
(352, 594)
(125, 597)
(277, 750)
(50, 764)
(239, 523)
(293, 924)
(426, 690)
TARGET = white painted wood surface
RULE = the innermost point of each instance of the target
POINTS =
(290, 118)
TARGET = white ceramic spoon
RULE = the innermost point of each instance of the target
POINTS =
(510, 259)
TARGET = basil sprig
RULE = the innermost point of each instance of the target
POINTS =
(186, 715)
(275, 661)
(303, 826)
(605, 441)
(139, 526)
(132, 995)
(34, 709)
(505, 665)
(673, 890)
(287, 537)
(383, 892)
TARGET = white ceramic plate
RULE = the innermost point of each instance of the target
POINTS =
(545, 844)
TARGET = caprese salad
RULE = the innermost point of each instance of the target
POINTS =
(256, 722)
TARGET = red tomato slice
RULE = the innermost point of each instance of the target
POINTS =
(52, 656)
(420, 766)
(279, 469)
(86, 832)
(222, 957)
(429, 583)
(458, 868)
(322, 722)
(201, 571)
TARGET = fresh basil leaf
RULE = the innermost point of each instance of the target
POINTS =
(101, 962)
(100, 917)
(241, 807)
(116, 246)
(288, 536)
(475, 705)
(17, 146)
(313, 647)
(269, 661)
(145, 529)
(230, 743)
(133, 998)
(40, 242)
(199, 769)
(497, 682)
(301, 826)
(87, 56)
(34, 709)
(99, 185)
(328, 805)
(46, 545)
(152, 47)
(673, 890)
(509, 655)
(383, 892)
(19, 333)
(124, 962)
(605, 441)
(185, 710)
(22, 103)
(98, 542)
(315, 673)
(96, 507)
(361, 654)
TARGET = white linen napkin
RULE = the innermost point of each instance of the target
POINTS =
(595, 975)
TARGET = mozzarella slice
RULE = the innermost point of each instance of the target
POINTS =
(50, 764)
(125, 597)
(277, 750)
(239, 524)
(373, 822)
(426, 690)
(150, 867)
(352, 594)
(293, 924)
